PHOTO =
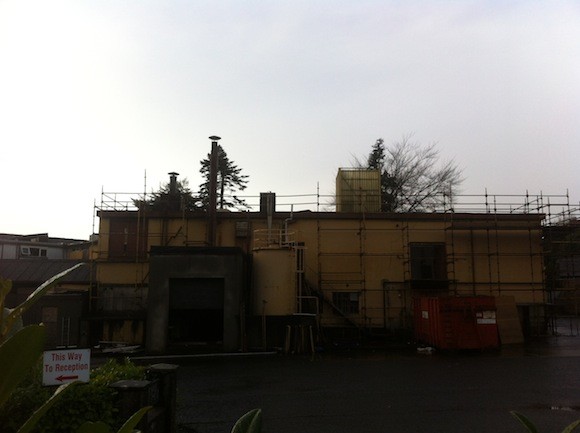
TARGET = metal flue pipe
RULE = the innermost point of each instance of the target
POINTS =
(212, 205)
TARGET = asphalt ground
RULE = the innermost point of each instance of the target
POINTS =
(385, 390)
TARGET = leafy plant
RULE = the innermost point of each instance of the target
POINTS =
(113, 371)
(18, 355)
(93, 401)
(101, 427)
(39, 413)
(530, 426)
(250, 422)
(21, 349)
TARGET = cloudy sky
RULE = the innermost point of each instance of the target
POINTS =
(112, 95)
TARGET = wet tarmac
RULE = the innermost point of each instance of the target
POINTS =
(394, 390)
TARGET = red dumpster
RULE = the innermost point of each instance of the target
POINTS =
(449, 322)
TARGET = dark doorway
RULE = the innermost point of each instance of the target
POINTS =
(196, 310)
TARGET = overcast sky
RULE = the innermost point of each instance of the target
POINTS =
(94, 94)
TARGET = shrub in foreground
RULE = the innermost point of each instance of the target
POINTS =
(93, 401)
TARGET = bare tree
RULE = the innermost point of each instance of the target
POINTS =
(412, 178)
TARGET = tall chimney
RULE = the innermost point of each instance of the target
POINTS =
(173, 182)
(211, 210)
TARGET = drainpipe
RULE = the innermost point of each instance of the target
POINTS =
(286, 221)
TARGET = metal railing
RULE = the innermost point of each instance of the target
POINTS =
(273, 238)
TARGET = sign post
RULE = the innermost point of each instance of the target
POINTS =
(64, 366)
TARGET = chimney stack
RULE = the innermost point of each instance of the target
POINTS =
(173, 182)
(211, 210)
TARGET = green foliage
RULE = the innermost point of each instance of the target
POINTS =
(132, 422)
(85, 402)
(229, 180)
(94, 427)
(23, 399)
(529, 425)
(18, 355)
(31, 422)
(101, 427)
(166, 200)
(250, 422)
(20, 350)
(113, 371)
(93, 401)
(7, 330)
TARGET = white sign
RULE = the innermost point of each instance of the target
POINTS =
(63, 366)
(486, 318)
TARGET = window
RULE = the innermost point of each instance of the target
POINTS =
(32, 252)
(347, 302)
(38, 252)
(428, 266)
(242, 229)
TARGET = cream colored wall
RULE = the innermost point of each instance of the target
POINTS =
(274, 282)
(102, 248)
(126, 331)
(503, 262)
(371, 257)
(122, 273)
(176, 232)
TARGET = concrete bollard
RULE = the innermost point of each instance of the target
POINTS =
(166, 376)
(136, 394)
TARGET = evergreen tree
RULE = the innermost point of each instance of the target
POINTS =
(376, 158)
(229, 180)
(181, 198)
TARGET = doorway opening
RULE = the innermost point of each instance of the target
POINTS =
(196, 310)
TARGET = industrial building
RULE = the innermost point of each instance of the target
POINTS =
(295, 272)
(173, 279)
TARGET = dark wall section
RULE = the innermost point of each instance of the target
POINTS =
(195, 295)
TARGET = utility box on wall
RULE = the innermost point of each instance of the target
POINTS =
(456, 322)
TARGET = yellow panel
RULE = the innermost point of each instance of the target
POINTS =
(274, 285)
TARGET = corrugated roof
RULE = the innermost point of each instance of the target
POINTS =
(40, 270)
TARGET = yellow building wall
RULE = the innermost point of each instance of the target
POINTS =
(274, 282)
(102, 248)
(368, 256)
(372, 258)
(499, 263)
(122, 273)
(126, 331)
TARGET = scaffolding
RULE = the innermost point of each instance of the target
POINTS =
(549, 243)
(554, 284)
